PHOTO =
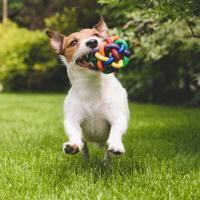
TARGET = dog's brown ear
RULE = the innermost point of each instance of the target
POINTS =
(56, 40)
(102, 27)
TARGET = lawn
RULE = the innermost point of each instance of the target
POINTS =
(162, 159)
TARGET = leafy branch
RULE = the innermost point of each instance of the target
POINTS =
(191, 29)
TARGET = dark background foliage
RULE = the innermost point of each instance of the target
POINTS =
(164, 38)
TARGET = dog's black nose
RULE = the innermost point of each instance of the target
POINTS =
(92, 43)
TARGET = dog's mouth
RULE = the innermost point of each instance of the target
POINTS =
(84, 62)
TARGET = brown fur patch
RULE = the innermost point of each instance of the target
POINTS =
(69, 50)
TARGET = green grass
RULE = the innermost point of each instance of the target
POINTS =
(162, 159)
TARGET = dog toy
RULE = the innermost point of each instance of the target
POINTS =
(111, 55)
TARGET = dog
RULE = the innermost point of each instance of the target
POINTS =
(96, 107)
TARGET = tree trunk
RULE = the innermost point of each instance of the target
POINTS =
(5, 10)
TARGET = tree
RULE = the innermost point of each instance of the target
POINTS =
(165, 9)
(187, 10)
(5, 10)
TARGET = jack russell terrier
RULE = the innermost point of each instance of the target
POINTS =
(96, 107)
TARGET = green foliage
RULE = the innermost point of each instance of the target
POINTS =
(173, 9)
(65, 22)
(32, 13)
(165, 66)
(165, 63)
(15, 47)
(111, 2)
(26, 60)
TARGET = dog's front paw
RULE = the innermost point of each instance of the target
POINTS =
(71, 148)
(116, 148)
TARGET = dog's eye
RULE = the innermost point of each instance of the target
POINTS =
(96, 34)
(73, 43)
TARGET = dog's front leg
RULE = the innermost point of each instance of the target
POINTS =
(118, 129)
(74, 133)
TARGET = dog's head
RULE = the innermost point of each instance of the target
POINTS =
(76, 46)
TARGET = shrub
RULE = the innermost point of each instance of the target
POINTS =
(165, 66)
(64, 22)
(26, 60)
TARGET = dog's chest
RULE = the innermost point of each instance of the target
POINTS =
(95, 125)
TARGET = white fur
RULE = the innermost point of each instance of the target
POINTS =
(96, 107)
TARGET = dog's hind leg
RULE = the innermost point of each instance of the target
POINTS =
(85, 151)
(107, 157)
